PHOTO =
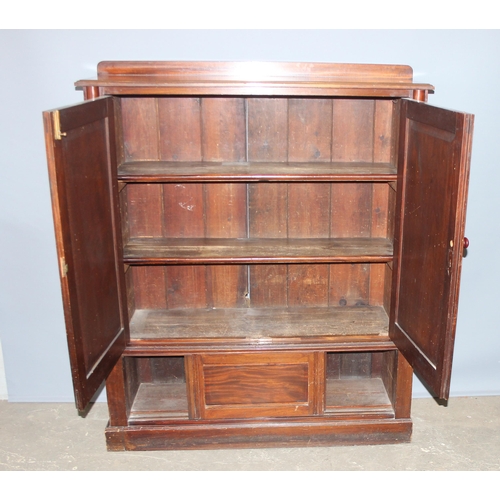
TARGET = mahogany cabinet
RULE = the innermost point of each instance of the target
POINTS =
(258, 254)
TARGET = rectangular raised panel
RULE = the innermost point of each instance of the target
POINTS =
(257, 385)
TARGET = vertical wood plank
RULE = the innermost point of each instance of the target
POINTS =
(184, 217)
(145, 210)
(387, 288)
(186, 287)
(310, 129)
(184, 210)
(226, 210)
(180, 128)
(378, 364)
(308, 217)
(150, 287)
(402, 398)
(268, 285)
(267, 129)
(351, 210)
(383, 138)
(333, 365)
(307, 285)
(144, 369)
(349, 284)
(377, 284)
(355, 365)
(194, 374)
(352, 130)
(118, 402)
(309, 210)
(123, 199)
(129, 283)
(379, 210)
(228, 285)
(224, 139)
(268, 210)
(120, 151)
(223, 129)
(318, 387)
(140, 128)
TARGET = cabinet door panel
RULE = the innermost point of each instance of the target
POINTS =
(432, 189)
(84, 196)
(259, 384)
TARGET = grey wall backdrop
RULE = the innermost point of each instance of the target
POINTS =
(38, 69)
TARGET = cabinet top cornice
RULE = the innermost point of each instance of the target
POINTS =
(253, 78)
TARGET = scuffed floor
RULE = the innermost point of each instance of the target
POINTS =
(465, 436)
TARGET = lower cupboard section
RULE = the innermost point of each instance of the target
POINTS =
(255, 386)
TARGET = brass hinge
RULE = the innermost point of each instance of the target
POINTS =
(64, 267)
(58, 135)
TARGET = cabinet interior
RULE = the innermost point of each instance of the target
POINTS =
(232, 206)
(156, 388)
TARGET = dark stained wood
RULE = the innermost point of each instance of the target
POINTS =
(257, 385)
(254, 78)
(140, 124)
(223, 123)
(179, 128)
(145, 210)
(434, 171)
(267, 130)
(353, 130)
(150, 285)
(88, 235)
(265, 250)
(189, 171)
(401, 384)
(259, 433)
(119, 391)
(262, 252)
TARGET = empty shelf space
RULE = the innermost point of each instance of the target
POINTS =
(256, 250)
(363, 395)
(155, 401)
(258, 323)
(165, 171)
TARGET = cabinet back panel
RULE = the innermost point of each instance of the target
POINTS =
(258, 129)
(267, 129)
(180, 132)
(259, 210)
(261, 285)
(140, 128)
(359, 365)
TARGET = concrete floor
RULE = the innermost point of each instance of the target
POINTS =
(465, 436)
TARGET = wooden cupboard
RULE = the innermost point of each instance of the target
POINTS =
(258, 254)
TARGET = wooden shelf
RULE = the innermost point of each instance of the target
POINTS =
(258, 323)
(165, 171)
(256, 250)
(362, 395)
(159, 400)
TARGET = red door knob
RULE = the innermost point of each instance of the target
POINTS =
(466, 242)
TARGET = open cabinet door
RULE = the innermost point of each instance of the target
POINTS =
(82, 164)
(433, 175)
